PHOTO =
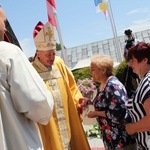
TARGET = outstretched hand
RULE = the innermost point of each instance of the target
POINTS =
(92, 114)
(83, 103)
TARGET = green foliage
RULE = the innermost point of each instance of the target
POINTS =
(119, 72)
(128, 78)
(82, 73)
(93, 131)
(58, 47)
(114, 70)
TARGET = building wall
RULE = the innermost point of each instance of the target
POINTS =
(107, 47)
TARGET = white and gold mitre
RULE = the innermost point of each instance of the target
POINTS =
(44, 37)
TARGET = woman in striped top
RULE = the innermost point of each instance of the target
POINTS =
(139, 106)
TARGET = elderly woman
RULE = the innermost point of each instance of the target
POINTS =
(110, 110)
(139, 59)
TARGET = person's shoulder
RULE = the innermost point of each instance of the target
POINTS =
(8, 49)
(114, 81)
(6, 45)
(60, 62)
(58, 59)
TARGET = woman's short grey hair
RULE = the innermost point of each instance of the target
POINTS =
(103, 61)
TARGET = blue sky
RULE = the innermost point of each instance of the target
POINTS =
(79, 23)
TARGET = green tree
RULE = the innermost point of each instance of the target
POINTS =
(82, 73)
(58, 46)
(128, 78)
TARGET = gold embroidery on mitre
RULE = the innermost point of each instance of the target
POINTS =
(49, 38)
(44, 45)
(45, 39)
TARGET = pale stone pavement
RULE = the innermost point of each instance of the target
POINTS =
(95, 143)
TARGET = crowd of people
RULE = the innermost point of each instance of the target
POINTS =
(40, 101)
(121, 118)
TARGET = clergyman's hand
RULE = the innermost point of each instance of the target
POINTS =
(84, 101)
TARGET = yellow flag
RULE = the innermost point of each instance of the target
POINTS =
(103, 6)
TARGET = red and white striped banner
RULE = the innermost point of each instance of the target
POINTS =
(51, 11)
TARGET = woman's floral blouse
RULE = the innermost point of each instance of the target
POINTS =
(112, 100)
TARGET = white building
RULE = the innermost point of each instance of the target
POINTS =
(76, 54)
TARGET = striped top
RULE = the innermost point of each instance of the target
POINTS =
(136, 107)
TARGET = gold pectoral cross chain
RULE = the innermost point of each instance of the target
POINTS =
(52, 84)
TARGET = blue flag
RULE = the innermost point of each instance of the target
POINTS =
(97, 2)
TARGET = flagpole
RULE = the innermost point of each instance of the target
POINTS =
(52, 18)
(64, 54)
(114, 32)
(114, 36)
